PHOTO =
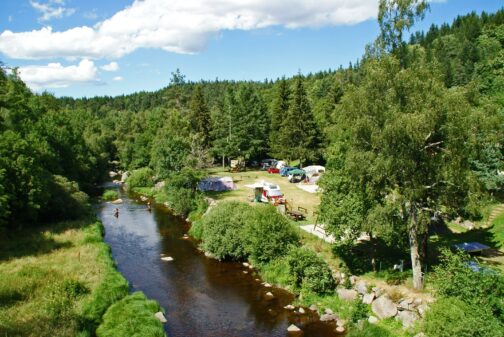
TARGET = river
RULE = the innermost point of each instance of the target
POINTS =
(201, 296)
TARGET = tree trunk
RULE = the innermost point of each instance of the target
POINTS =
(416, 264)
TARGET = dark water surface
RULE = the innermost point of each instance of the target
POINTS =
(201, 296)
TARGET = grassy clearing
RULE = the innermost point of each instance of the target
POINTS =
(57, 280)
(294, 195)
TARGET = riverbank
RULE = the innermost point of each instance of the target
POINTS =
(60, 280)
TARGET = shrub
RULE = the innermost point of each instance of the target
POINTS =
(66, 200)
(181, 194)
(369, 330)
(196, 230)
(483, 288)
(450, 317)
(359, 311)
(223, 231)
(141, 178)
(110, 195)
(310, 271)
(131, 316)
(269, 234)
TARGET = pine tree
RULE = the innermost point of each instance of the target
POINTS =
(279, 111)
(299, 135)
(199, 115)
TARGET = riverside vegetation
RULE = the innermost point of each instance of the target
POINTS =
(411, 132)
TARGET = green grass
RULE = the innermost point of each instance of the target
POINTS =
(132, 316)
(57, 280)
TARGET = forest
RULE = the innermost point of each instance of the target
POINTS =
(409, 132)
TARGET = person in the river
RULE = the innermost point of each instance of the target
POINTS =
(116, 212)
(148, 206)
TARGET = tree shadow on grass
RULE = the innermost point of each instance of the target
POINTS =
(34, 241)
(448, 239)
(359, 258)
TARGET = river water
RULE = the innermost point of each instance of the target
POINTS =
(201, 297)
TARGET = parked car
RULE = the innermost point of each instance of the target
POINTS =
(284, 171)
(296, 176)
(273, 169)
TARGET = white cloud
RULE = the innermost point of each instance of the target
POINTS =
(53, 9)
(55, 75)
(180, 26)
(92, 15)
(112, 66)
(118, 78)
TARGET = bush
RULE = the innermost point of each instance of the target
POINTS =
(269, 234)
(110, 195)
(483, 288)
(359, 311)
(223, 231)
(450, 317)
(132, 316)
(310, 271)
(181, 194)
(141, 178)
(66, 202)
(369, 330)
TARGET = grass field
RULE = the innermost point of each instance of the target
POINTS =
(57, 280)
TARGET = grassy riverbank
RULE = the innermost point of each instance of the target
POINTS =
(59, 280)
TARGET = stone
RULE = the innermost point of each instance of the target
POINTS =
(289, 307)
(417, 301)
(353, 279)
(245, 264)
(267, 285)
(368, 298)
(159, 185)
(340, 329)
(143, 198)
(407, 318)
(406, 304)
(245, 272)
(185, 236)
(378, 291)
(124, 176)
(361, 287)
(301, 311)
(383, 307)
(160, 316)
(269, 295)
(293, 328)
(372, 320)
(117, 201)
(113, 174)
(313, 307)
(347, 294)
(257, 280)
(167, 258)
(328, 311)
(340, 322)
(328, 317)
(422, 309)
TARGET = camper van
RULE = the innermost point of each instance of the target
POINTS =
(271, 193)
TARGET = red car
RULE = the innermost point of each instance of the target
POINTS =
(273, 170)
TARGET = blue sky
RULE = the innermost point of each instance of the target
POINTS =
(118, 47)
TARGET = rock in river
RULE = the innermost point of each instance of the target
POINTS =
(167, 258)
(160, 316)
(293, 328)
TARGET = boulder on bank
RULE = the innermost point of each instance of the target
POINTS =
(347, 294)
(161, 317)
(361, 287)
(407, 317)
(383, 307)
(368, 298)
(117, 201)
(328, 317)
(293, 328)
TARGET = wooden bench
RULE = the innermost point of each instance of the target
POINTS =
(295, 215)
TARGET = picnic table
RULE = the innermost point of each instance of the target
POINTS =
(295, 215)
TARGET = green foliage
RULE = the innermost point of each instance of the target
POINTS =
(109, 195)
(60, 299)
(223, 231)
(360, 311)
(483, 289)
(132, 316)
(310, 271)
(269, 234)
(298, 137)
(449, 317)
(369, 330)
(181, 194)
(142, 177)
